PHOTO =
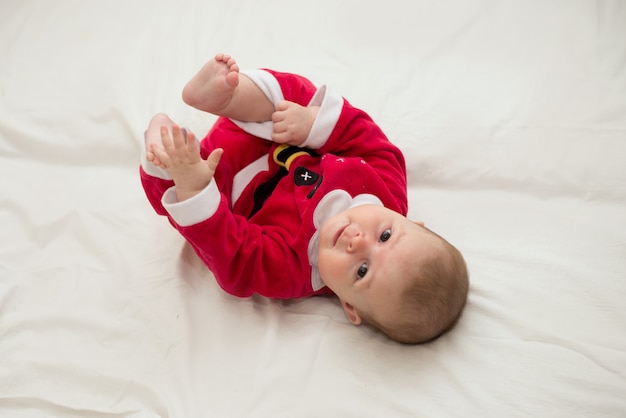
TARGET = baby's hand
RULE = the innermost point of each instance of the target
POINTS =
(292, 122)
(181, 155)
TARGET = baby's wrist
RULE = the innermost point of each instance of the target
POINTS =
(313, 111)
(183, 193)
(182, 196)
(311, 114)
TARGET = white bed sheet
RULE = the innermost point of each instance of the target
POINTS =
(512, 116)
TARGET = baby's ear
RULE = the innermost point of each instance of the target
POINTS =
(351, 313)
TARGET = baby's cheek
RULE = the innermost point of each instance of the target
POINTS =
(324, 261)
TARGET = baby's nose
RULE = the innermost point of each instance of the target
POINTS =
(355, 239)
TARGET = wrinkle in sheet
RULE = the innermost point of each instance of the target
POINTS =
(81, 345)
(45, 407)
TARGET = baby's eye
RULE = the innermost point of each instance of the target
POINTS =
(362, 271)
(385, 235)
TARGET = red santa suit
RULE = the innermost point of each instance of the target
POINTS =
(256, 224)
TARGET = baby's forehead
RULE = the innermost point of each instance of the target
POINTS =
(416, 245)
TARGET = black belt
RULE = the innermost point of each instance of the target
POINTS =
(283, 155)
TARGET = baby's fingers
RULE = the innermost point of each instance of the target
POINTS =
(214, 159)
(280, 137)
(179, 136)
(283, 105)
(165, 139)
(192, 143)
(281, 111)
(174, 142)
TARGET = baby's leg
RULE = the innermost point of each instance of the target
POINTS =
(218, 88)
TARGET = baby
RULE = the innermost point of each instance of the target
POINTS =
(293, 193)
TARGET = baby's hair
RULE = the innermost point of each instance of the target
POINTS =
(433, 299)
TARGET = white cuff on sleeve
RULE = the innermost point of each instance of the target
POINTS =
(195, 209)
(331, 104)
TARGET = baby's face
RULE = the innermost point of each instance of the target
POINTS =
(366, 254)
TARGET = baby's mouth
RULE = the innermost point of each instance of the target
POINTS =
(338, 234)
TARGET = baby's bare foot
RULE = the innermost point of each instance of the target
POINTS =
(152, 136)
(212, 88)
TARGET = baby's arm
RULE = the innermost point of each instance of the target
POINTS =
(292, 123)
